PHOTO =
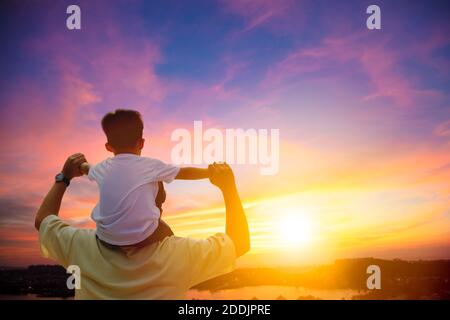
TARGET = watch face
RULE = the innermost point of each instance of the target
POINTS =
(59, 177)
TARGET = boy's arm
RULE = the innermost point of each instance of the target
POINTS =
(191, 173)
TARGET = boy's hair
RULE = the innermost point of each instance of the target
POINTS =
(123, 128)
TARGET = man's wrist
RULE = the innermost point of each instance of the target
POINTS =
(60, 185)
(62, 178)
(67, 175)
(229, 189)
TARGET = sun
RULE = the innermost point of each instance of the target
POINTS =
(295, 230)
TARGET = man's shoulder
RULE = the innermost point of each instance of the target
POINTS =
(199, 259)
(59, 240)
(196, 244)
(174, 241)
(53, 222)
(50, 221)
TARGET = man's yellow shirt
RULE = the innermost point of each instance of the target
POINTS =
(163, 270)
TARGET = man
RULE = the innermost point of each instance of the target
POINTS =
(161, 270)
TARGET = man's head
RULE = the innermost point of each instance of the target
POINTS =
(123, 129)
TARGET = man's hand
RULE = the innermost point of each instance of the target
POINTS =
(221, 175)
(72, 165)
(52, 201)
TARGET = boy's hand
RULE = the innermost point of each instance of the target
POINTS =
(84, 168)
(71, 167)
(191, 173)
(221, 175)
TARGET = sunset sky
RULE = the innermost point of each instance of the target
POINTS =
(363, 116)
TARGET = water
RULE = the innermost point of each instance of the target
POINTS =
(245, 293)
(272, 293)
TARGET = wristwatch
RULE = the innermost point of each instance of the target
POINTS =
(60, 177)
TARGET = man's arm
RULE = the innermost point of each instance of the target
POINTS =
(222, 176)
(191, 173)
(52, 201)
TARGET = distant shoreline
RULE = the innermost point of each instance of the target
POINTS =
(401, 279)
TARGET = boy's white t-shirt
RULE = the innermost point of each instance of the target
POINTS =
(126, 212)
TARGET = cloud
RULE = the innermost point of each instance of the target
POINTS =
(443, 129)
(347, 56)
(52, 107)
(15, 211)
(273, 14)
(56, 111)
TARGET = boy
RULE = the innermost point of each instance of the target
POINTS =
(127, 213)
